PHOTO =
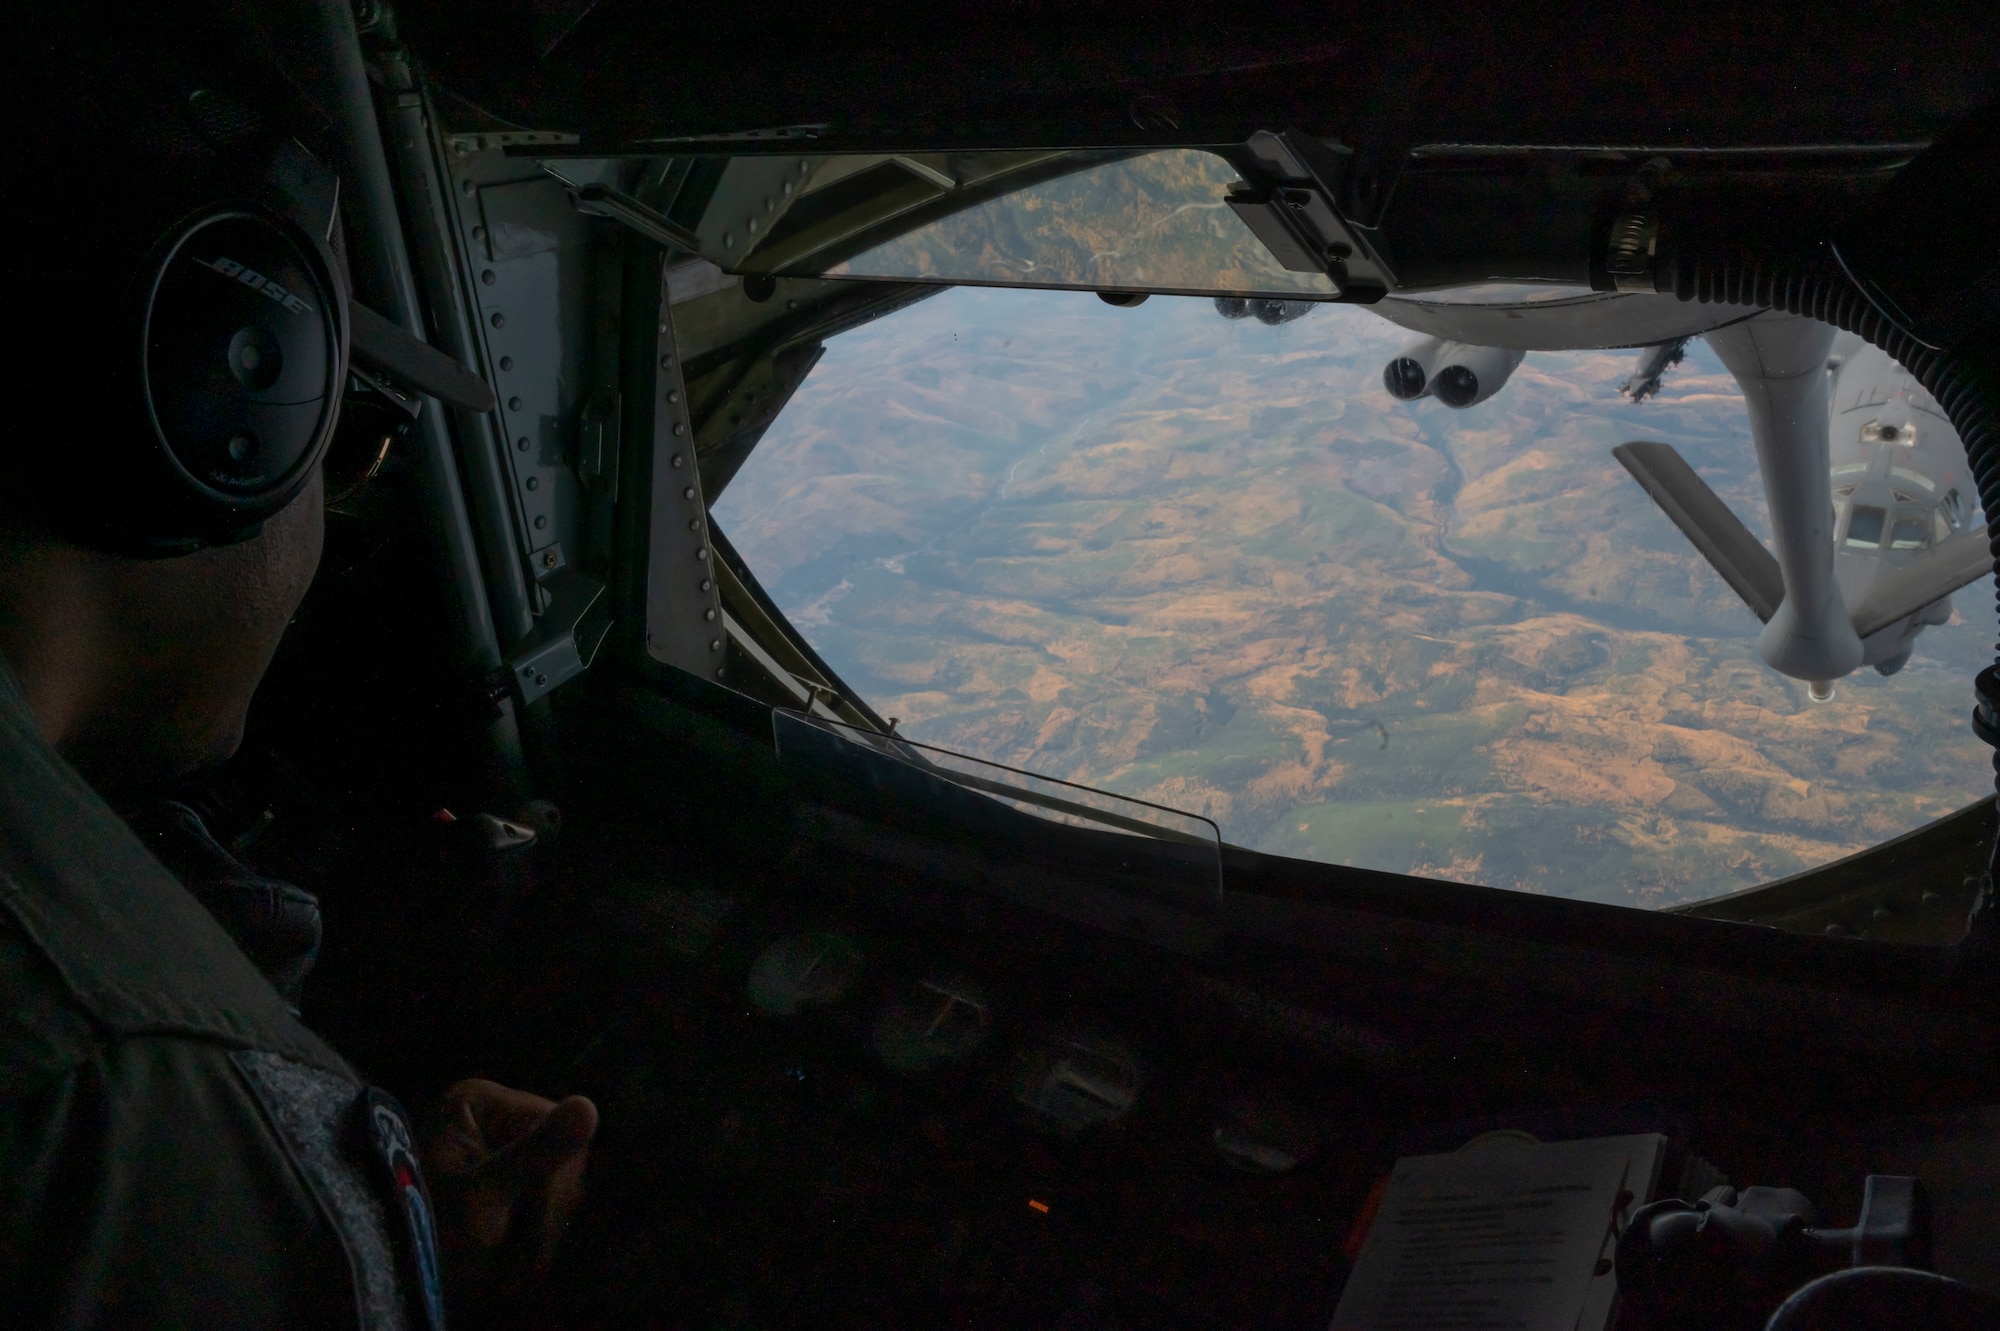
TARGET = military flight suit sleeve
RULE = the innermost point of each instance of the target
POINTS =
(176, 1148)
(141, 1184)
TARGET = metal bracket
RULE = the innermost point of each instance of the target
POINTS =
(565, 638)
(1289, 204)
(603, 201)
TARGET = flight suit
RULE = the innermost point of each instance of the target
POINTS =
(176, 1148)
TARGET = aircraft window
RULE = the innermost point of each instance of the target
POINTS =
(1940, 529)
(1843, 492)
(1953, 509)
(1864, 528)
(1907, 533)
(1210, 563)
(1156, 221)
(1925, 403)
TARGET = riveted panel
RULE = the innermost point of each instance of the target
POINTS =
(751, 196)
(528, 257)
(684, 625)
(530, 291)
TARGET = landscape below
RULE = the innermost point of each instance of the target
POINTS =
(1211, 563)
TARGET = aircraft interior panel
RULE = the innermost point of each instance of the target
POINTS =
(882, 1037)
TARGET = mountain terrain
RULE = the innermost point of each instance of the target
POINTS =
(1211, 563)
(1157, 220)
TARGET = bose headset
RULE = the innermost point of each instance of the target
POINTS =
(232, 325)
(235, 329)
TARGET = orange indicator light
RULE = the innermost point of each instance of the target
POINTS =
(1034, 1205)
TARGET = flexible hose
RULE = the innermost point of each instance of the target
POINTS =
(1965, 380)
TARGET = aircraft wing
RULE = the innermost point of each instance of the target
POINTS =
(1750, 570)
(1960, 559)
(1753, 572)
(1542, 317)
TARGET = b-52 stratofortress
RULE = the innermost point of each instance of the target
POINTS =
(1872, 510)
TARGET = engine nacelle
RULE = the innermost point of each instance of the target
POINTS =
(1408, 375)
(1264, 309)
(1466, 376)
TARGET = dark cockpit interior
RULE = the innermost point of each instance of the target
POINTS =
(885, 1037)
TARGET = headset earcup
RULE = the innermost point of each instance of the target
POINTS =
(243, 365)
(235, 334)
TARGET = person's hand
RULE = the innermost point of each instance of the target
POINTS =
(507, 1169)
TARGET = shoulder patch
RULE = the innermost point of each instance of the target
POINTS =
(386, 1130)
(311, 1110)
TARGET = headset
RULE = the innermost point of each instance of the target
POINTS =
(229, 310)
(201, 322)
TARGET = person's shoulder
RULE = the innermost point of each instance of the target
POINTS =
(44, 1031)
(129, 946)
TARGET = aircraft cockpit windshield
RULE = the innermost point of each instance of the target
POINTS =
(1140, 469)
(1211, 562)
(1155, 220)
(1159, 221)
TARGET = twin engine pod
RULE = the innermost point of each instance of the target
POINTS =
(1455, 373)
